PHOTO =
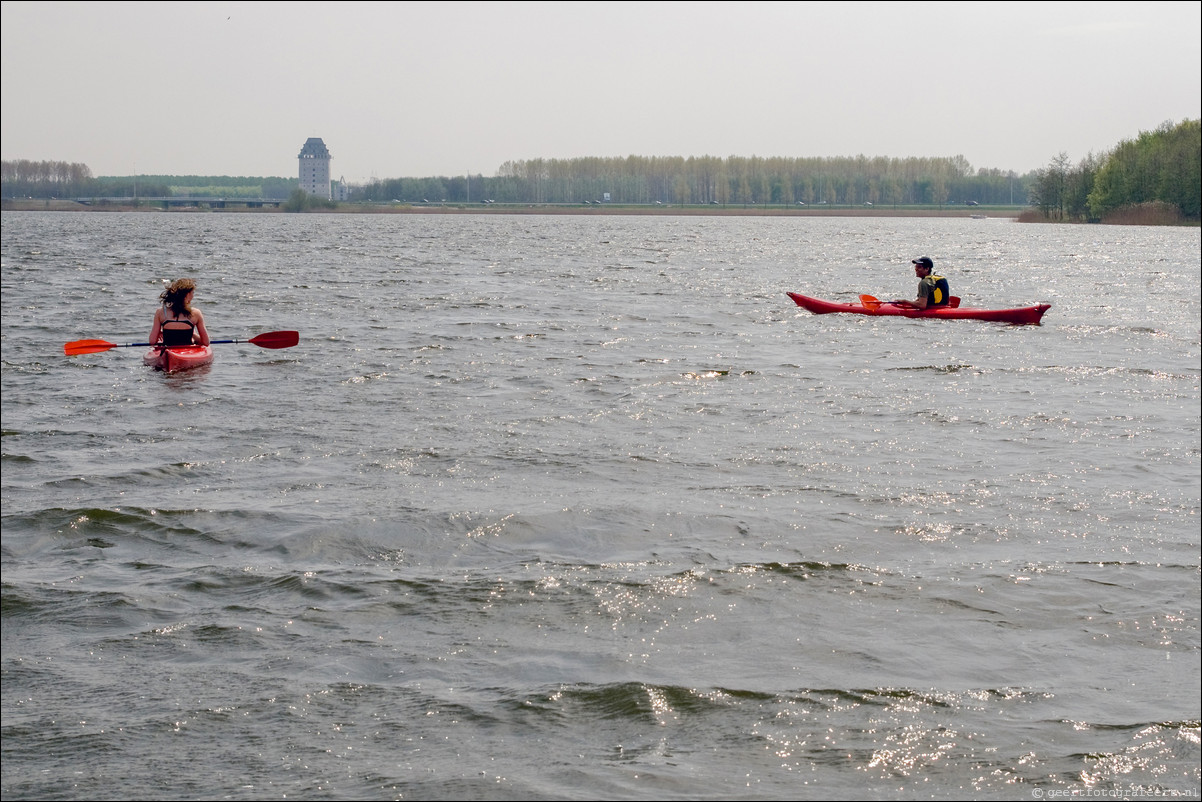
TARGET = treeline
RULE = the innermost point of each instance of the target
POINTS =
(1159, 170)
(849, 181)
(51, 179)
(1157, 174)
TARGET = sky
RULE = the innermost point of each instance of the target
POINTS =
(417, 89)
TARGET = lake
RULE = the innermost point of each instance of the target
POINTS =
(570, 507)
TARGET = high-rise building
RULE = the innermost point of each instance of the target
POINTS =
(315, 168)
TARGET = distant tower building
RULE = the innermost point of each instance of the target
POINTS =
(315, 168)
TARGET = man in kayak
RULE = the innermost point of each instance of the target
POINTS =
(932, 290)
(176, 322)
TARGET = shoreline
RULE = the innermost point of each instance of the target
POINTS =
(749, 210)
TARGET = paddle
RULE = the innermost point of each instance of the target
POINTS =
(269, 339)
(872, 304)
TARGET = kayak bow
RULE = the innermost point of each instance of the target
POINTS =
(1020, 315)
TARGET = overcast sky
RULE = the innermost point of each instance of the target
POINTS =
(429, 88)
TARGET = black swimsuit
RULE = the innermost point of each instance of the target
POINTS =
(177, 335)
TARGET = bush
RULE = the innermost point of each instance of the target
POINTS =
(1152, 213)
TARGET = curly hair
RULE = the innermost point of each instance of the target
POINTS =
(176, 296)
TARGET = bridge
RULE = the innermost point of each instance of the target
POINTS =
(178, 202)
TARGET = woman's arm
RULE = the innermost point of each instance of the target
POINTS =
(202, 334)
(156, 329)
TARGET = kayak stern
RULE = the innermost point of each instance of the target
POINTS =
(178, 357)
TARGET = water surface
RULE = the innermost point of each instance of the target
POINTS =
(580, 508)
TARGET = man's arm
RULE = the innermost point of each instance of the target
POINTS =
(918, 303)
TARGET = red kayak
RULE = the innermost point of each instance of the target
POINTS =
(1019, 315)
(177, 357)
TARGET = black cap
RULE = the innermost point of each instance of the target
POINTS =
(924, 261)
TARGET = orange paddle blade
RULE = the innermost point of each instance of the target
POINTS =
(868, 302)
(87, 347)
(276, 339)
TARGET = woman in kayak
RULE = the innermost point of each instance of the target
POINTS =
(177, 322)
(932, 290)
